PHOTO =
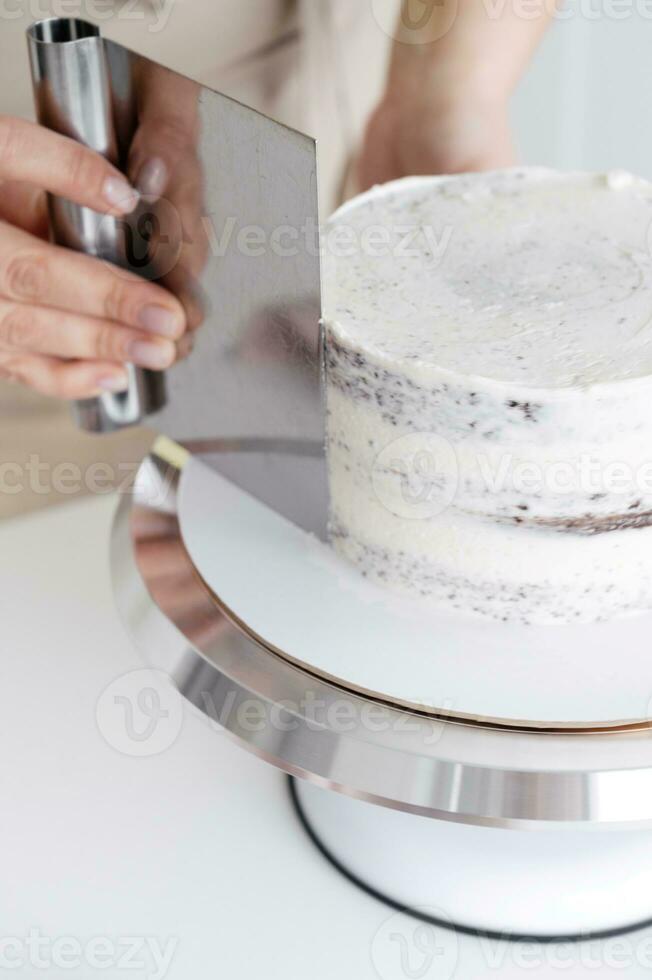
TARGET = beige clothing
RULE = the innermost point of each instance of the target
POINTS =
(317, 65)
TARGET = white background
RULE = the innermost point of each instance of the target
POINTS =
(586, 101)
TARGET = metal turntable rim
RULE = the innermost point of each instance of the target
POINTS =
(467, 773)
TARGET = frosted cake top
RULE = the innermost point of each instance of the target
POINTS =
(526, 276)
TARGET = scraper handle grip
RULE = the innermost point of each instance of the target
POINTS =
(72, 81)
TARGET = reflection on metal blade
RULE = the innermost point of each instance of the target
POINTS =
(252, 258)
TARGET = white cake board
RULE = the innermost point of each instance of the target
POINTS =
(289, 590)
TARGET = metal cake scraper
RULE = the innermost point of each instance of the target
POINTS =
(235, 236)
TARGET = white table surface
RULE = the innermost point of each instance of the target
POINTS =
(188, 850)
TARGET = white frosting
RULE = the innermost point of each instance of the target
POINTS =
(524, 351)
(522, 276)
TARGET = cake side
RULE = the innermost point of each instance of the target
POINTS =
(476, 492)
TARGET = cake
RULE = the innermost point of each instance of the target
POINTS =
(489, 392)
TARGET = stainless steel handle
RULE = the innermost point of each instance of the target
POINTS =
(83, 90)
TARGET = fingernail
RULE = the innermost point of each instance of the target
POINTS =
(185, 345)
(158, 319)
(120, 195)
(153, 178)
(147, 355)
(115, 383)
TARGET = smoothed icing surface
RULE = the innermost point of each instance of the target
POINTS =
(525, 276)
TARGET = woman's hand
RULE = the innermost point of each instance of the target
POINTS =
(445, 106)
(69, 323)
(425, 133)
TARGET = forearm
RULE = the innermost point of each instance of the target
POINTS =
(478, 46)
(453, 68)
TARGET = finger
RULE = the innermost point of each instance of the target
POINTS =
(61, 165)
(184, 278)
(186, 199)
(25, 207)
(41, 330)
(71, 380)
(163, 160)
(158, 152)
(185, 346)
(42, 274)
(190, 293)
(167, 132)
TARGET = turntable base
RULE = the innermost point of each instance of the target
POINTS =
(542, 830)
(559, 886)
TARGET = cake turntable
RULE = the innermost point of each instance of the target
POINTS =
(502, 824)
(491, 777)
